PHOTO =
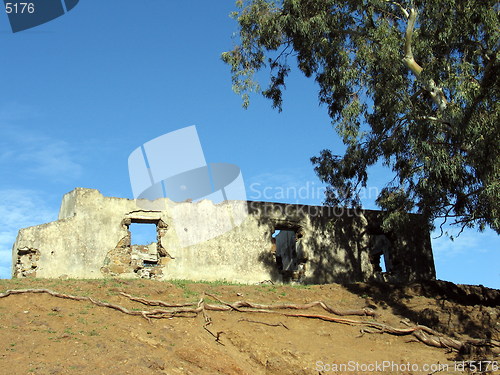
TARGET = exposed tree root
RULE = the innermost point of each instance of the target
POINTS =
(268, 308)
(237, 306)
(156, 303)
(424, 334)
(264, 323)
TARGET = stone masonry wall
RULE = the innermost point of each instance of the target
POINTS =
(91, 239)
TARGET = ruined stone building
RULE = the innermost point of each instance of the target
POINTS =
(237, 241)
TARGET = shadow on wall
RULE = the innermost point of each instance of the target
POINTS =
(339, 259)
(328, 248)
(339, 245)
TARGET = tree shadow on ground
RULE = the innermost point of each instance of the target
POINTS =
(459, 309)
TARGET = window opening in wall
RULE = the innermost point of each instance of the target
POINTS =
(286, 249)
(277, 255)
(142, 233)
(144, 244)
(289, 254)
(380, 254)
(382, 263)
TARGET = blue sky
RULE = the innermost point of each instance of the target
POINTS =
(80, 93)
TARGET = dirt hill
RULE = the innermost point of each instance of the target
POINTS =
(52, 334)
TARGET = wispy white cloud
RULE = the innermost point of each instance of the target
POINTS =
(284, 185)
(12, 111)
(53, 158)
(469, 241)
(19, 209)
(472, 258)
(38, 155)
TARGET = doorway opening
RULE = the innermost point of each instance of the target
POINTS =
(288, 251)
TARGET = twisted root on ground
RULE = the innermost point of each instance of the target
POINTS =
(422, 333)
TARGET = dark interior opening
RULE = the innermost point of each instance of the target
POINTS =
(288, 252)
(150, 263)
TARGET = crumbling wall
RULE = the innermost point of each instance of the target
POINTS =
(333, 242)
(76, 244)
(91, 239)
(27, 262)
(337, 245)
(145, 261)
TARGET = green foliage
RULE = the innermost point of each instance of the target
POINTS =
(421, 98)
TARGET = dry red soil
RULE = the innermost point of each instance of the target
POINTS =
(43, 334)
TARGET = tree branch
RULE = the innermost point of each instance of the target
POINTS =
(409, 59)
(436, 92)
(405, 12)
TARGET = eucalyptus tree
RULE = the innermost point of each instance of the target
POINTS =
(411, 84)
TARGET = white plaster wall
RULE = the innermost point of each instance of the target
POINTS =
(90, 226)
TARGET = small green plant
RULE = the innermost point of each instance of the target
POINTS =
(219, 283)
(210, 300)
(301, 286)
(188, 293)
(215, 292)
(182, 284)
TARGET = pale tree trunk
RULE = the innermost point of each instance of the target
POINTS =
(435, 92)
